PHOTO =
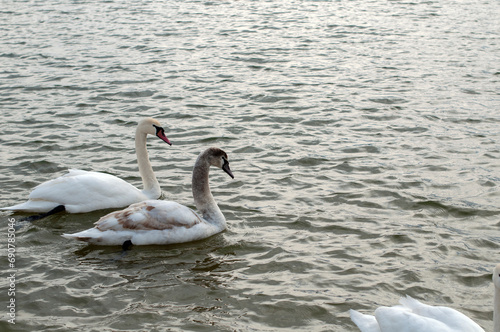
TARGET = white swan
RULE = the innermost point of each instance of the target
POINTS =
(496, 299)
(81, 191)
(414, 316)
(165, 222)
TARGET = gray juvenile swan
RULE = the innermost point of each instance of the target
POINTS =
(165, 222)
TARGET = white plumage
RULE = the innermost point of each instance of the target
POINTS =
(414, 316)
(81, 191)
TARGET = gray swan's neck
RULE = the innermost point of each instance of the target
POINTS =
(203, 199)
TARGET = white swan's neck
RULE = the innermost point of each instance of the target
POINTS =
(150, 183)
(496, 310)
(203, 199)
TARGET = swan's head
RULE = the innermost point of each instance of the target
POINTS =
(496, 276)
(153, 127)
(218, 158)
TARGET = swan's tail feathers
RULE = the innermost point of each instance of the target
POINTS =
(91, 235)
(107, 238)
(76, 236)
(365, 323)
(17, 207)
(57, 209)
(10, 208)
(32, 206)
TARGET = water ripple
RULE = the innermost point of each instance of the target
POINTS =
(366, 167)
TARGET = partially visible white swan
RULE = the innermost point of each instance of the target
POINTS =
(496, 299)
(81, 191)
(414, 316)
(165, 222)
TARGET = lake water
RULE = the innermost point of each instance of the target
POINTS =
(364, 137)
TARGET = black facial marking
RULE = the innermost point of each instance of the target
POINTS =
(225, 168)
(160, 133)
(159, 130)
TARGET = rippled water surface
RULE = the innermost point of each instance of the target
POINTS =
(364, 137)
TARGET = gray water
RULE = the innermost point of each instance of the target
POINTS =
(364, 137)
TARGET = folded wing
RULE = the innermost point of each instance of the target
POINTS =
(150, 215)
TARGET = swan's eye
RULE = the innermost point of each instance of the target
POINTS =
(158, 129)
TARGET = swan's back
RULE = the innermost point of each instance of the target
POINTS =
(398, 319)
(414, 316)
(452, 318)
(150, 215)
(82, 191)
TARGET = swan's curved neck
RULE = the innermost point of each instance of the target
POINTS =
(203, 199)
(496, 310)
(150, 183)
